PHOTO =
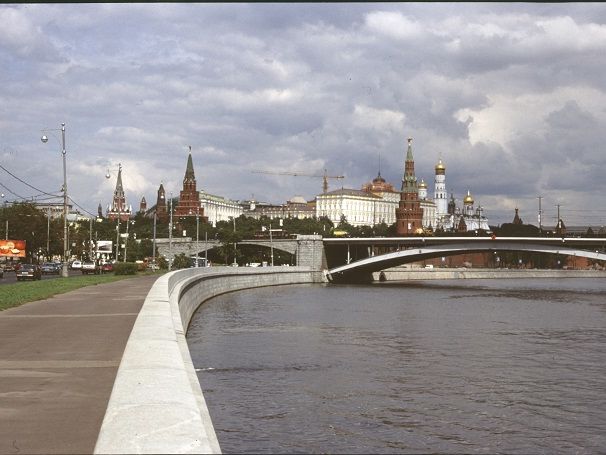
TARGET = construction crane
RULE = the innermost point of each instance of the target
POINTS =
(324, 177)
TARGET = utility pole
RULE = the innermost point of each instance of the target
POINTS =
(540, 213)
(559, 223)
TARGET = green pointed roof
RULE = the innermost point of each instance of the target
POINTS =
(119, 188)
(409, 156)
(189, 170)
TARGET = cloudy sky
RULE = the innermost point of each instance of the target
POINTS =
(512, 97)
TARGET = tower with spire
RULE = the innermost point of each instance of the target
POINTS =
(189, 198)
(161, 205)
(440, 197)
(409, 214)
(118, 207)
(143, 205)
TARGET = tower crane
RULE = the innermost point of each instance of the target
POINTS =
(324, 177)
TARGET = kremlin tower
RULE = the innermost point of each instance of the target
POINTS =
(409, 214)
(189, 198)
(118, 208)
(161, 209)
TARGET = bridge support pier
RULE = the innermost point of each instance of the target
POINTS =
(310, 253)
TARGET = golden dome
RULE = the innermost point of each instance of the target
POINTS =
(422, 184)
(440, 166)
(468, 199)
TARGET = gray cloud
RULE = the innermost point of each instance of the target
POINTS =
(511, 96)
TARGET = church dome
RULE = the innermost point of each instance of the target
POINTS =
(297, 200)
(440, 168)
(422, 184)
(468, 199)
(378, 179)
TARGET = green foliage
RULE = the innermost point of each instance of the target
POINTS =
(125, 268)
(517, 230)
(180, 262)
(15, 294)
(162, 262)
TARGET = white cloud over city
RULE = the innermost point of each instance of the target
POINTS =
(510, 95)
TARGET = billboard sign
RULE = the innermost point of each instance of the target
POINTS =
(104, 246)
(12, 248)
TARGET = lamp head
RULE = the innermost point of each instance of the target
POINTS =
(107, 175)
(44, 139)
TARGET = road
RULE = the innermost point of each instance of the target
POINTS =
(10, 277)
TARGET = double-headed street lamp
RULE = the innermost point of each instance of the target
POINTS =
(44, 139)
(197, 233)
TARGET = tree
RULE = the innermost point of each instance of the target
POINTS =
(181, 261)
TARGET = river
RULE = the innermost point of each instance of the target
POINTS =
(453, 366)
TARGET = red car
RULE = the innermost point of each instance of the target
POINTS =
(107, 267)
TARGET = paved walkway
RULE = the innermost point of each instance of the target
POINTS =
(58, 362)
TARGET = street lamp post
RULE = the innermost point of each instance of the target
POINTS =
(154, 244)
(64, 271)
(197, 234)
(271, 243)
(235, 251)
(48, 232)
(126, 241)
(170, 235)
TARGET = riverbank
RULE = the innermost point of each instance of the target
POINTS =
(406, 273)
(157, 405)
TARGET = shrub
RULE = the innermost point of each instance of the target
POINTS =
(125, 268)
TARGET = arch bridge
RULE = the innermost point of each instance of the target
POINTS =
(413, 249)
(308, 249)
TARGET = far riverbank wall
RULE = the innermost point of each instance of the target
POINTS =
(406, 273)
(156, 405)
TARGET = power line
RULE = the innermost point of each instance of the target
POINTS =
(11, 191)
(80, 207)
(24, 182)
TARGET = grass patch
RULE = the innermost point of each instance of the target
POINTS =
(16, 294)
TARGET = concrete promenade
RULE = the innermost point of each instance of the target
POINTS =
(58, 362)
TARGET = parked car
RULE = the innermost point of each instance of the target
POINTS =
(29, 271)
(9, 267)
(1, 272)
(107, 267)
(89, 267)
(50, 268)
(76, 265)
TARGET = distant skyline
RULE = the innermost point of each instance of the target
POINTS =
(510, 96)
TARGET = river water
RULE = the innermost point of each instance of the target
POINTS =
(453, 366)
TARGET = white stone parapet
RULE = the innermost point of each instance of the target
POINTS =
(157, 405)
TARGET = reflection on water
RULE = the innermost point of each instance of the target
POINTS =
(456, 366)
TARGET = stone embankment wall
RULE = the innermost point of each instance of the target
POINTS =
(156, 405)
(405, 273)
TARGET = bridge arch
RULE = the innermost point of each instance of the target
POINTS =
(362, 270)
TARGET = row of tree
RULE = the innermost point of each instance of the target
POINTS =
(44, 235)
